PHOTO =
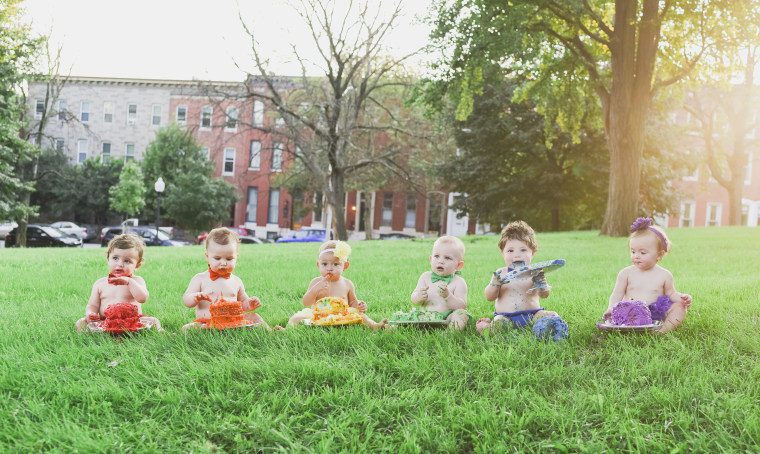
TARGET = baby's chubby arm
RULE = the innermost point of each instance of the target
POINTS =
(93, 304)
(621, 284)
(249, 304)
(494, 287)
(420, 293)
(318, 287)
(457, 299)
(673, 294)
(193, 295)
(353, 301)
(138, 289)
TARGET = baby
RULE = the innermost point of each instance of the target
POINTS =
(517, 301)
(125, 255)
(219, 282)
(441, 290)
(647, 281)
(332, 260)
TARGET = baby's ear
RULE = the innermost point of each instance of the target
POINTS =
(345, 266)
(460, 265)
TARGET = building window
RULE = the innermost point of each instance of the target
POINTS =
(251, 206)
(62, 110)
(39, 109)
(255, 155)
(81, 150)
(156, 117)
(206, 112)
(687, 214)
(273, 217)
(411, 210)
(206, 153)
(59, 144)
(231, 118)
(108, 112)
(258, 113)
(229, 161)
(713, 215)
(131, 114)
(277, 157)
(105, 153)
(129, 152)
(181, 114)
(385, 221)
(85, 111)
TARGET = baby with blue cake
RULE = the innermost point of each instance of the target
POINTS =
(518, 299)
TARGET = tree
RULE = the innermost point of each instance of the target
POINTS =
(18, 50)
(322, 117)
(128, 196)
(193, 198)
(624, 52)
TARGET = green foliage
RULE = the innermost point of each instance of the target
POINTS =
(197, 201)
(17, 56)
(129, 195)
(352, 390)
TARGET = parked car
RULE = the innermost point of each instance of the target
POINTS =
(305, 235)
(6, 227)
(42, 235)
(245, 236)
(132, 222)
(71, 228)
(92, 232)
(147, 233)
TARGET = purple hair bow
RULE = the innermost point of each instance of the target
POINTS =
(646, 224)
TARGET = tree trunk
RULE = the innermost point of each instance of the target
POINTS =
(367, 197)
(337, 199)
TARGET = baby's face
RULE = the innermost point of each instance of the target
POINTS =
(445, 259)
(516, 251)
(123, 262)
(644, 251)
(331, 267)
(221, 257)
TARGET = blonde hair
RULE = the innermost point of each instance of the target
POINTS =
(663, 242)
(222, 235)
(518, 230)
(454, 241)
(340, 249)
(127, 241)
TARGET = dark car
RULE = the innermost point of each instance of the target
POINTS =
(306, 235)
(148, 234)
(395, 236)
(245, 236)
(41, 235)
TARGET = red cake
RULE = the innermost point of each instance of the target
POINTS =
(226, 314)
(121, 317)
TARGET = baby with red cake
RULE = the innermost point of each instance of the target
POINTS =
(115, 301)
(218, 284)
(645, 292)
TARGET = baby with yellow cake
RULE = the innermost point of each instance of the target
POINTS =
(326, 292)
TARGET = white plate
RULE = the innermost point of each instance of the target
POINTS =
(606, 324)
(308, 322)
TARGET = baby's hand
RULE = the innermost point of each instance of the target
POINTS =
(686, 300)
(93, 317)
(443, 290)
(497, 280)
(361, 305)
(607, 314)
(119, 280)
(422, 295)
(252, 304)
(200, 296)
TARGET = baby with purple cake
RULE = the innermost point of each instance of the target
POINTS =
(644, 292)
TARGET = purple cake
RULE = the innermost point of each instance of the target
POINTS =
(631, 313)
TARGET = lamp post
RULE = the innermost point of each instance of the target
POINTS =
(159, 187)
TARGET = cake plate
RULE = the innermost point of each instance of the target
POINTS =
(308, 322)
(607, 325)
(248, 324)
(96, 328)
(420, 323)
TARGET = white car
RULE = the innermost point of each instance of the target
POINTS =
(71, 229)
(5, 227)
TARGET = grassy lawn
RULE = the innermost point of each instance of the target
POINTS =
(352, 390)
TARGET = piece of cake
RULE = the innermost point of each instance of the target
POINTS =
(631, 313)
(226, 314)
(333, 311)
(121, 317)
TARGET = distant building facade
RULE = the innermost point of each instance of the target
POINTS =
(117, 119)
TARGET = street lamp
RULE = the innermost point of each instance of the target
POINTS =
(159, 187)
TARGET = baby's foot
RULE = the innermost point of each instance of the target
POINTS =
(278, 328)
(483, 323)
(382, 324)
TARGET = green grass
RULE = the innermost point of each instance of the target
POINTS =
(352, 390)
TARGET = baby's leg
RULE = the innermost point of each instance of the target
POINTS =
(152, 322)
(482, 324)
(296, 319)
(540, 314)
(192, 325)
(674, 317)
(368, 322)
(458, 319)
(81, 325)
(255, 318)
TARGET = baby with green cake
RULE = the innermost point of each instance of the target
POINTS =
(440, 293)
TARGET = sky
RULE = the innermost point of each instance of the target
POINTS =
(186, 39)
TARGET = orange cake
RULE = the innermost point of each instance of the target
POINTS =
(226, 314)
(333, 311)
(121, 317)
